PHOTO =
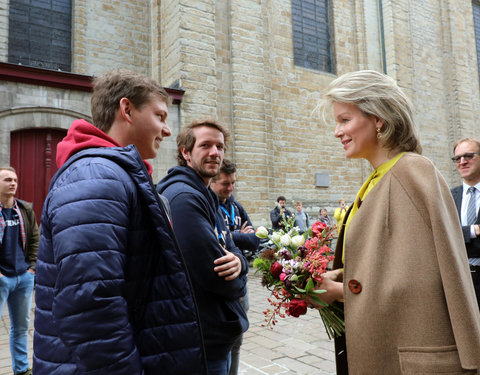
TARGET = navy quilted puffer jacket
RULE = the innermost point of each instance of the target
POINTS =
(112, 294)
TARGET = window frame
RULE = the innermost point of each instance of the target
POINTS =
(299, 36)
(40, 34)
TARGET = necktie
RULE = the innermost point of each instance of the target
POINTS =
(471, 209)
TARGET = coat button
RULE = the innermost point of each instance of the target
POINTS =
(354, 286)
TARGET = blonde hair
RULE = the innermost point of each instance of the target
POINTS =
(8, 168)
(469, 140)
(377, 94)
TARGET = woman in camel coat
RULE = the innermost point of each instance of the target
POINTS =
(408, 297)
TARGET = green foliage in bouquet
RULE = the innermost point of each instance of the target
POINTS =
(291, 267)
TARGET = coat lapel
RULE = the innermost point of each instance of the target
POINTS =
(457, 197)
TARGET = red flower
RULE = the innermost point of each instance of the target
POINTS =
(276, 269)
(318, 228)
(297, 307)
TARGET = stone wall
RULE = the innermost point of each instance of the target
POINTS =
(111, 34)
(234, 59)
(268, 102)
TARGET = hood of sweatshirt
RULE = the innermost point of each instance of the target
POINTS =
(191, 178)
(83, 135)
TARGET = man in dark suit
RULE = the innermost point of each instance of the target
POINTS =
(467, 200)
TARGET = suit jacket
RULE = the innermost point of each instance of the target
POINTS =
(415, 310)
(472, 244)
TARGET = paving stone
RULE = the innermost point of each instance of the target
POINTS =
(301, 344)
(296, 366)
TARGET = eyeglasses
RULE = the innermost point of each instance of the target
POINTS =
(467, 157)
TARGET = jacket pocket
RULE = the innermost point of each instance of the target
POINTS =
(442, 360)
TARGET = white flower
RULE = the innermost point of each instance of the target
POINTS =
(261, 232)
(290, 265)
(298, 240)
(293, 230)
(276, 237)
(285, 240)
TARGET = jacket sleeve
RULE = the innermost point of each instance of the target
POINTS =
(245, 241)
(33, 238)
(275, 217)
(474, 242)
(89, 223)
(233, 248)
(435, 203)
(337, 214)
(195, 231)
(454, 266)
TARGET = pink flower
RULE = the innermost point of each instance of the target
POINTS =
(283, 275)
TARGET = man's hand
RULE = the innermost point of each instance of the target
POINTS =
(247, 228)
(228, 266)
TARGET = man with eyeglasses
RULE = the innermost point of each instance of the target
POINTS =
(467, 200)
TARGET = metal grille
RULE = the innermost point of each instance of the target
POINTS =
(312, 35)
(40, 33)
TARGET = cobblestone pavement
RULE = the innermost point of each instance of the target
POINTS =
(294, 346)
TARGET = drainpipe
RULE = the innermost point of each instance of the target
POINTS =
(382, 36)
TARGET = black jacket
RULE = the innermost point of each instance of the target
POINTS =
(194, 209)
(276, 217)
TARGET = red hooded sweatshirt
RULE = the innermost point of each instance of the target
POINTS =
(83, 135)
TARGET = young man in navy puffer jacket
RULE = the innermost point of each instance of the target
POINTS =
(113, 295)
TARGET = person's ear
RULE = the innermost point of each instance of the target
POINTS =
(186, 155)
(378, 123)
(126, 107)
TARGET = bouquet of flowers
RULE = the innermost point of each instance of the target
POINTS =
(290, 268)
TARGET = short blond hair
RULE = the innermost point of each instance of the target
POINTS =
(8, 168)
(463, 140)
(377, 94)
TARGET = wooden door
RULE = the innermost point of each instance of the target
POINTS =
(33, 153)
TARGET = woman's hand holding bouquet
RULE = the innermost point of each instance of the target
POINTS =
(295, 269)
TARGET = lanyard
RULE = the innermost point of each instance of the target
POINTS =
(221, 239)
(230, 216)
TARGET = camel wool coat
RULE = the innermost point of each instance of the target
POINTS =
(410, 306)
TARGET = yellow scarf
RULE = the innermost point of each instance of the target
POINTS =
(367, 186)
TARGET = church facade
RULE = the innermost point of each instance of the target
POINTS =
(257, 66)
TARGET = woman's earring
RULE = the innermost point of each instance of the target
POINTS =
(379, 133)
